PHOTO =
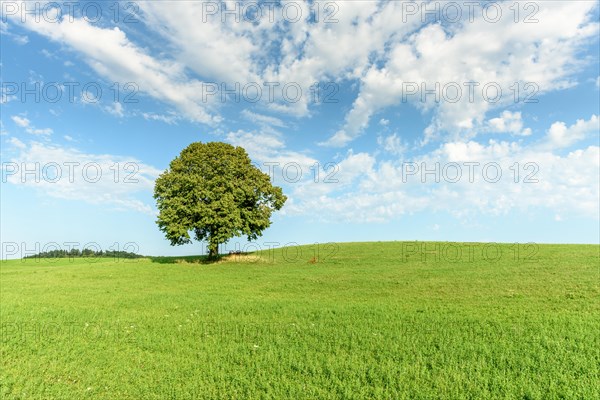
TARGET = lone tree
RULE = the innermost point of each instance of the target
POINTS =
(213, 190)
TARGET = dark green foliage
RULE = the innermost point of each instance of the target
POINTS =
(213, 190)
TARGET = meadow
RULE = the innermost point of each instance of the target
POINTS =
(380, 320)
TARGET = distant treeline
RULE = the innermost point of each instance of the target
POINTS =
(84, 253)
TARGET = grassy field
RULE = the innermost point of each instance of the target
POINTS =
(356, 321)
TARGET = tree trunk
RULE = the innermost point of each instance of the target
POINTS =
(213, 247)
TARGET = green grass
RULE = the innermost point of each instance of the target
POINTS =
(367, 321)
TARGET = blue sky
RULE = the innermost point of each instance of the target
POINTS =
(95, 106)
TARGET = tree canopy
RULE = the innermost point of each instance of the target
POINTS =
(215, 192)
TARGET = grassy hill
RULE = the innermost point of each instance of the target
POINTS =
(354, 320)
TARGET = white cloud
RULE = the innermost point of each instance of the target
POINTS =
(20, 121)
(268, 150)
(531, 177)
(24, 122)
(255, 143)
(303, 53)
(339, 139)
(502, 53)
(472, 151)
(222, 51)
(355, 166)
(366, 44)
(116, 109)
(263, 119)
(21, 39)
(48, 54)
(113, 56)
(18, 39)
(509, 122)
(45, 131)
(560, 136)
(392, 144)
(113, 108)
(170, 118)
(67, 173)
(16, 142)
(266, 146)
